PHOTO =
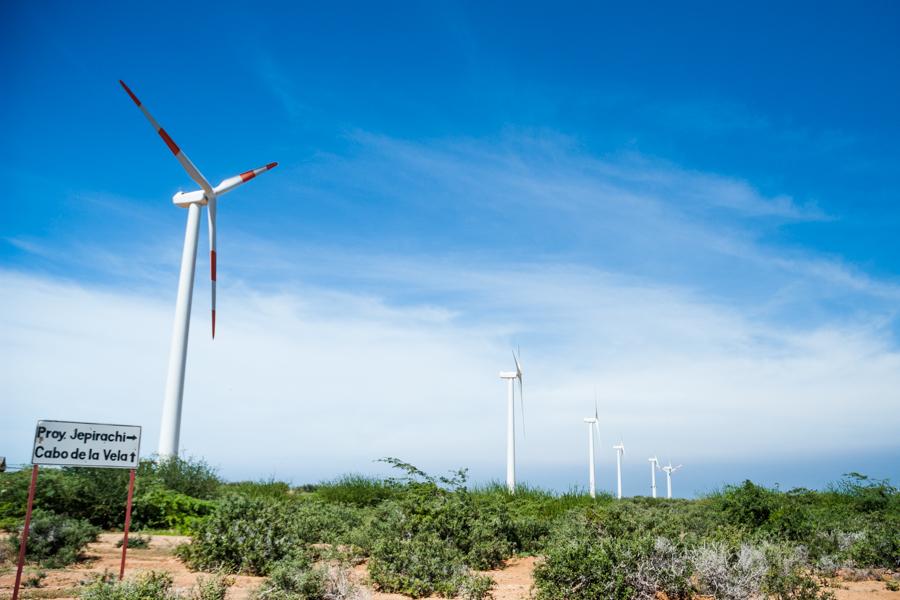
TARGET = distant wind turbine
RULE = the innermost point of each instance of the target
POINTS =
(593, 424)
(170, 429)
(669, 470)
(654, 465)
(620, 450)
(510, 377)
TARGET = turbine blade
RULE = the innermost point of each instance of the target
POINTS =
(181, 156)
(232, 182)
(518, 365)
(211, 214)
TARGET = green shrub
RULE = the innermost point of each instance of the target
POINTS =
(249, 534)
(210, 588)
(417, 566)
(49, 495)
(879, 546)
(317, 522)
(868, 495)
(535, 513)
(98, 495)
(475, 587)
(432, 533)
(152, 585)
(34, 579)
(789, 576)
(135, 541)
(55, 540)
(294, 579)
(267, 489)
(299, 579)
(191, 477)
(242, 535)
(479, 532)
(156, 507)
(748, 505)
(356, 490)
(583, 562)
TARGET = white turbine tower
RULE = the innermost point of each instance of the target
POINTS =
(669, 470)
(620, 450)
(510, 377)
(593, 424)
(654, 465)
(206, 196)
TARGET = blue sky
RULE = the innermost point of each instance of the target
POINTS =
(690, 209)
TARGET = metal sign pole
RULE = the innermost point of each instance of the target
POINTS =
(24, 542)
(127, 523)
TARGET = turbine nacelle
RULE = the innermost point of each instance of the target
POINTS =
(590, 420)
(185, 199)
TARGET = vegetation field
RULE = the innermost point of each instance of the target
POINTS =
(421, 535)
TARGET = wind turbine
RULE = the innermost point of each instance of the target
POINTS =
(206, 196)
(669, 470)
(620, 450)
(654, 465)
(592, 423)
(510, 377)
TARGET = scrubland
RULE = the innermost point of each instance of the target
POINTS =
(423, 535)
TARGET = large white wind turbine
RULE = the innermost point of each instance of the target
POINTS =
(510, 377)
(593, 424)
(193, 201)
(620, 450)
(654, 465)
(669, 470)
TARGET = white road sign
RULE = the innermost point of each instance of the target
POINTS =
(86, 445)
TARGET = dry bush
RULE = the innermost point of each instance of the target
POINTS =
(666, 568)
(299, 579)
(727, 574)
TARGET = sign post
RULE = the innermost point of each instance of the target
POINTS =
(71, 444)
(127, 523)
(24, 542)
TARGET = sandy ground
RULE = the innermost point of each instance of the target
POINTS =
(513, 582)
(104, 556)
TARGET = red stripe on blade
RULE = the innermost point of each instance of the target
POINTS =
(212, 264)
(130, 93)
(169, 141)
(247, 176)
(271, 165)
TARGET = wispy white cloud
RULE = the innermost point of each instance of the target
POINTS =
(553, 168)
(538, 196)
(308, 380)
